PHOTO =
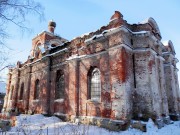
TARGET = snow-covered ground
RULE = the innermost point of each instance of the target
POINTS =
(40, 125)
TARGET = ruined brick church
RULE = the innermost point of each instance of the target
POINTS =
(120, 72)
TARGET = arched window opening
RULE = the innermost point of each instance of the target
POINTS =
(21, 92)
(37, 51)
(95, 84)
(37, 89)
(60, 85)
(11, 92)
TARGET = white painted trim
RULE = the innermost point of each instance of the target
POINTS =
(20, 100)
(93, 101)
(160, 57)
(120, 45)
(60, 64)
(167, 53)
(48, 55)
(99, 53)
(168, 65)
(118, 29)
(144, 49)
(58, 52)
(59, 100)
(115, 30)
(114, 47)
(35, 100)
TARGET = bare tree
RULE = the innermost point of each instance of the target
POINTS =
(15, 12)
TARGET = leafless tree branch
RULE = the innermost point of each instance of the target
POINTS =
(15, 12)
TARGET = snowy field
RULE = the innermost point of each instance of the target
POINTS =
(41, 125)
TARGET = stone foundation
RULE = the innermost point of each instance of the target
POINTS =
(115, 125)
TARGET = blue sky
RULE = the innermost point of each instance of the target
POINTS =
(75, 17)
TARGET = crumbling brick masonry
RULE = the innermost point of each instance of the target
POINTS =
(107, 77)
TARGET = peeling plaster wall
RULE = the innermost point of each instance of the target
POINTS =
(7, 96)
(86, 106)
(24, 78)
(39, 71)
(171, 89)
(162, 86)
(14, 83)
(142, 97)
(150, 98)
(121, 83)
(177, 88)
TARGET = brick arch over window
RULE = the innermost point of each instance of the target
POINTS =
(60, 85)
(94, 84)
(21, 92)
(37, 89)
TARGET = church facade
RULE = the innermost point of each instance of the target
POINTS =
(119, 72)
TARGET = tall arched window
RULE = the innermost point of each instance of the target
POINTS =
(95, 84)
(60, 85)
(11, 92)
(21, 92)
(37, 89)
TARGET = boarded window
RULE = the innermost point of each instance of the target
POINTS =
(60, 85)
(95, 84)
(37, 89)
(21, 92)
